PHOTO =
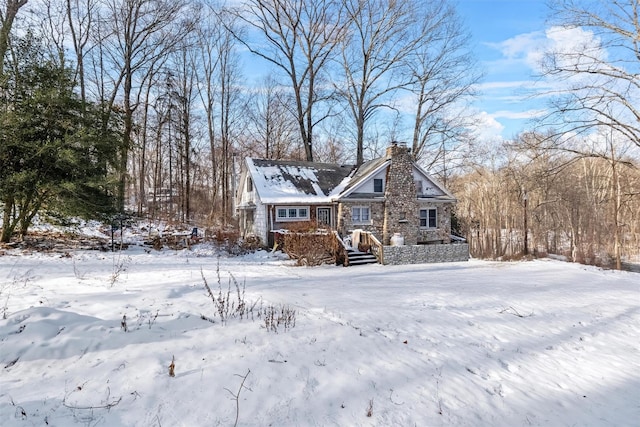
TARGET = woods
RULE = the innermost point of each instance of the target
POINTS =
(584, 208)
(148, 106)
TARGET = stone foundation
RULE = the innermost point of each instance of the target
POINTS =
(422, 254)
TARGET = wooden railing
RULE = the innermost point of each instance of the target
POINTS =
(340, 250)
(367, 238)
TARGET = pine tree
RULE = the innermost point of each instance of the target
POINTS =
(55, 154)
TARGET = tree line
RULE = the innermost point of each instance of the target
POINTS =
(149, 106)
(536, 202)
(169, 78)
(572, 182)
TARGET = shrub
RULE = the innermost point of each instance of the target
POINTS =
(314, 248)
(229, 240)
(276, 316)
(230, 305)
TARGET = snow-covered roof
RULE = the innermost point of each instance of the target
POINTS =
(297, 182)
(278, 181)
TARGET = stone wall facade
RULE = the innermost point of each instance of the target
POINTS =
(441, 233)
(345, 222)
(423, 254)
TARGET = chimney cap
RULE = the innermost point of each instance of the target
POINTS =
(398, 143)
(397, 149)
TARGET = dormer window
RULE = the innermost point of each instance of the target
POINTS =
(377, 185)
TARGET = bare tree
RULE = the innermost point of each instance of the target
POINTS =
(181, 71)
(7, 16)
(381, 35)
(220, 93)
(49, 21)
(301, 37)
(141, 33)
(596, 78)
(594, 98)
(80, 20)
(158, 121)
(596, 196)
(442, 74)
(229, 97)
(271, 130)
(575, 206)
(209, 33)
(151, 123)
(186, 87)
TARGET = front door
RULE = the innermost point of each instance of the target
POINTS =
(324, 216)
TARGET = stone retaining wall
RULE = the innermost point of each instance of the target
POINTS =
(420, 254)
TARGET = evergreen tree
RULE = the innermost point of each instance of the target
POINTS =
(55, 154)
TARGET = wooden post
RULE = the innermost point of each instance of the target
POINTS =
(526, 229)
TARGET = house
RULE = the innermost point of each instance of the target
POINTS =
(391, 197)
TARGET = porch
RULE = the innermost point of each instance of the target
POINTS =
(362, 247)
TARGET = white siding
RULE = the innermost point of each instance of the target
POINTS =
(368, 186)
(261, 222)
(247, 197)
(428, 187)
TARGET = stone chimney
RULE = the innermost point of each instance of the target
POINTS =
(401, 204)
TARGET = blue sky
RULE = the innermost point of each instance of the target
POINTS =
(506, 34)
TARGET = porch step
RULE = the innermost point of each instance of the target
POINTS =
(360, 258)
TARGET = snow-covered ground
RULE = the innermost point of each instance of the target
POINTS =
(541, 343)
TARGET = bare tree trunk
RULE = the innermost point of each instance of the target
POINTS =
(442, 74)
(382, 35)
(141, 34)
(301, 37)
(229, 75)
(6, 22)
(8, 223)
(80, 22)
(617, 204)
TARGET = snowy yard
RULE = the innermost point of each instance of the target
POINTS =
(541, 343)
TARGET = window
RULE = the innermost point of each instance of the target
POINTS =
(249, 184)
(377, 185)
(360, 214)
(419, 188)
(292, 213)
(428, 218)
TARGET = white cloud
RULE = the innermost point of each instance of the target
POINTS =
(518, 115)
(526, 48)
(488, 128)
(571, 40)
(529, 48)
(497, 85)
